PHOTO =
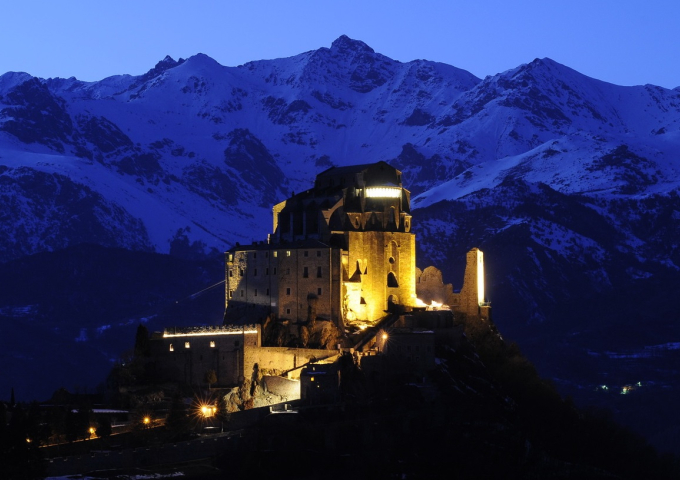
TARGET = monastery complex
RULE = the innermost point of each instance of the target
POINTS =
(336, 275)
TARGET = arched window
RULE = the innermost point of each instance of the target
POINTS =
(392, 280)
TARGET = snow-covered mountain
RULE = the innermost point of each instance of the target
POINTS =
(569, 184)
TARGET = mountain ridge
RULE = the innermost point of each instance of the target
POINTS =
(568, 183)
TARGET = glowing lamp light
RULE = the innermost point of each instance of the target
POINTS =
(147, 420)
(384, 336)
(208, 410)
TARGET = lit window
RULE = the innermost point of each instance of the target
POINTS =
(212, 344)
(187, 345)
(172, 348)
(276, 254)
(311, 379)
(231, 257)
(287, 253)
(305, 272)
(383, 192)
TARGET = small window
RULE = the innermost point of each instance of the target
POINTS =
(231, 294)
(318, 272)
(318, 291)
(287, 271)
(172, 347)
(305, 272)
(255, 292)
(187, 345)
(276, 254)
(306, 254)
(267, 292)
(266, 254)
(287, 253)
(318, 253)
(240, 272)
(266, 271)
(255, 272)
(212, 343)
(254, 254)
(241, 292)
(287, 311)
(231, 273)
(236, 343)
(288, 291)
(274, 270)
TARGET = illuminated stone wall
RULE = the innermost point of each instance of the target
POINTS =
(341, 251)
(276, 360)
(289, 283)
(471, 299)
(370, 260)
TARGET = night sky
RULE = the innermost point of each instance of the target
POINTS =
(619, 41)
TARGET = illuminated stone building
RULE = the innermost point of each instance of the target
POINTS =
(340, 254)
(341, 251)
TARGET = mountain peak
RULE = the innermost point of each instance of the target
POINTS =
(344, 44)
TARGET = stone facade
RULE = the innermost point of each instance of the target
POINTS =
(185, 354)
(342, 251)
(471, 300)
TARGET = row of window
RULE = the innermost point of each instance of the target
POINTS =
(305, 272)
(188, 345)
(305, 253)
(319, 291)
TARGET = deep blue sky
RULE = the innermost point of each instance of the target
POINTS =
(625, 42)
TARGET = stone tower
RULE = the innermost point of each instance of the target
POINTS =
(472, 299)
(341, 251)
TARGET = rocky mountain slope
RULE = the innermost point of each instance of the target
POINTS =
(568, 184)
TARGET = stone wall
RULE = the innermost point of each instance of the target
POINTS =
(289, 389)
(277, 360)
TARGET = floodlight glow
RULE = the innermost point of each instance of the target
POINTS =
(383, 192)
(480, 277)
